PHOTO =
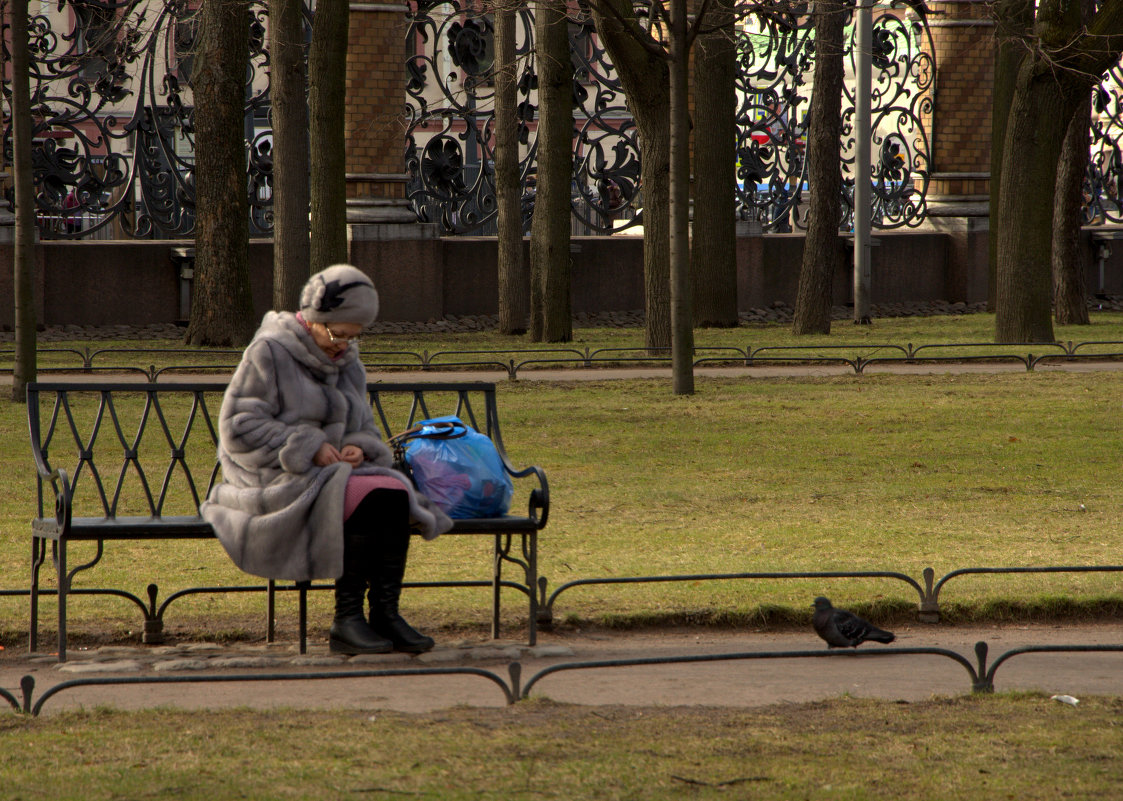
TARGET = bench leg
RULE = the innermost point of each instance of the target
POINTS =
(496, 578)
(270, 611)
(532, 585)
(303, 586)
(529, 564)
(63, 588)
(38, 555)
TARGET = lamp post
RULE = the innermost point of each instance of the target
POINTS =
(863, 40)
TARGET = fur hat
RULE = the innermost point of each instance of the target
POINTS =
(339, 294)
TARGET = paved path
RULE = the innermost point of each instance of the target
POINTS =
(740, 683)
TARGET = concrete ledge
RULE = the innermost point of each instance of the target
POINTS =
(385, 230)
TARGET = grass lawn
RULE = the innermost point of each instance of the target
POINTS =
(1004, 746)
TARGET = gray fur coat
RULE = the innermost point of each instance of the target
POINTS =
(276, 513)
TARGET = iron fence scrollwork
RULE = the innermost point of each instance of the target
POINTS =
(113, 121)
(450, 119)
(113, 118)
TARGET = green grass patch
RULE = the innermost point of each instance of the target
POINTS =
(1020, 746)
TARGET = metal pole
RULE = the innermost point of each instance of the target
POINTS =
(682, 309)
(863, 40)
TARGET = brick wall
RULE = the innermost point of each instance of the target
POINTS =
(962, 38)
(376, 91)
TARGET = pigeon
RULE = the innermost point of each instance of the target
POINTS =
(842, 629)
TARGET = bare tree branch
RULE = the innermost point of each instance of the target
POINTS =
(630, 24)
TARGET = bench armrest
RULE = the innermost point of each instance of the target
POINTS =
(59, 483)
(538, 507)
(55, 478)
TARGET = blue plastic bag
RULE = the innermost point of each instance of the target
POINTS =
(458, 468)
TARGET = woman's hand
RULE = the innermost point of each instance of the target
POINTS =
(327, 454)
(352, 454)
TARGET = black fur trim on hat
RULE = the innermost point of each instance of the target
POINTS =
(333, 294)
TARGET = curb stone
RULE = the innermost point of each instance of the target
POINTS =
(118, 666)
(213, 656)
(244, 662)
(180, 664)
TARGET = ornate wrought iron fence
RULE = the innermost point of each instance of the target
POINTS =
(904, 69)
(113, 118)
(113, 122)
(1105, 167)
(451, 118)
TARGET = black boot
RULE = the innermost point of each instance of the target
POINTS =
(388, 568)
(350, 632)
(385, 619)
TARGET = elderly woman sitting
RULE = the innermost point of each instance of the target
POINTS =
(308, 490)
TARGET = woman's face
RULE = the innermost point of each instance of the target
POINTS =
(334, 338)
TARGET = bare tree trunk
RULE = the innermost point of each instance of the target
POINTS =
(222, 308)
(821, 250)
(1068, 52)
(514, 289)
(1036, 130)
(644, 74)
(1070, 263)
(290, 153)
(1014, 19)
(551, 305)
(682, 307)
(1070, 290)
(327, 101)
(24, 370)
(655, 143)
(713, 254)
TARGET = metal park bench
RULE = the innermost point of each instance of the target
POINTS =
(132, 461)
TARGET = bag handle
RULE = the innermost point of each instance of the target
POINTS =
(447, 429)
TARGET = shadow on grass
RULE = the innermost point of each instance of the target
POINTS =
(1045, 609)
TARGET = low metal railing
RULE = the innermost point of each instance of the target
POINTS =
(514, 360)
(928, 589)
(514, 689)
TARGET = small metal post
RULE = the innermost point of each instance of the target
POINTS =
(983, 681)
(184, 260)
(27, 686)
(153, 623)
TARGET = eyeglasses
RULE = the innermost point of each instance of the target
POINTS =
(334, 338)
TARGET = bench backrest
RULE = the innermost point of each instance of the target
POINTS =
(148, 449)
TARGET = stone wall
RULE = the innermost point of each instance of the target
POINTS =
(421, 276)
